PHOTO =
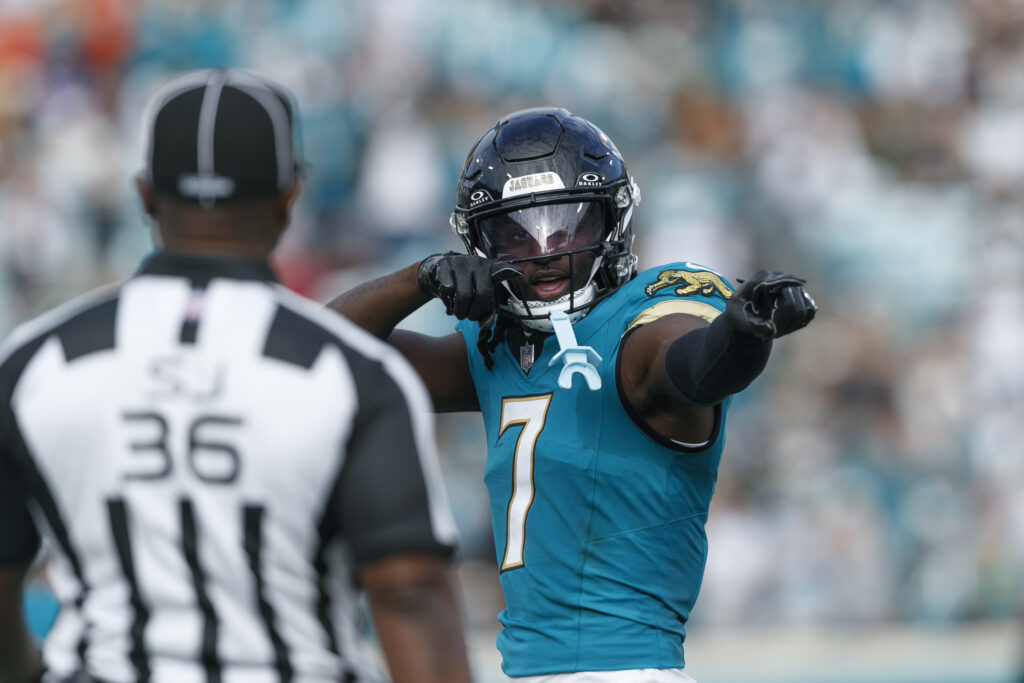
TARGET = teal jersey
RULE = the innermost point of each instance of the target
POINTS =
(598, 525)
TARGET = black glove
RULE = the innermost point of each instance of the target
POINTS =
(465, 283)
(770, 305)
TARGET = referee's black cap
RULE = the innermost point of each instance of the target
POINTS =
(219, 135)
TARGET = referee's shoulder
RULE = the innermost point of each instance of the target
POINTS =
(355, 340)
(42, 326)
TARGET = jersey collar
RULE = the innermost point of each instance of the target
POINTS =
(200, 269)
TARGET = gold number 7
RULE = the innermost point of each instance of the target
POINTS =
(530, 412)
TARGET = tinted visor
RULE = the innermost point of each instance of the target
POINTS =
(543, 230)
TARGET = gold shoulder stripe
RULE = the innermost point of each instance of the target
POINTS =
(687, 307)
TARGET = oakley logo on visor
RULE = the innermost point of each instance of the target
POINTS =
(535, 182)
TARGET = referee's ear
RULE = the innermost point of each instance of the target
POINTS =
(285, 202)
(147, 194)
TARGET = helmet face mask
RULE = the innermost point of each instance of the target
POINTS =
(549, 191)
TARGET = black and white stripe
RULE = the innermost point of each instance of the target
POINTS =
(254, 550)
(122, 542)
(208, 123)
(208, 656)
(90, 331)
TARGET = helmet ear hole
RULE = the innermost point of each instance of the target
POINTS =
(622, 199)
(460, 226)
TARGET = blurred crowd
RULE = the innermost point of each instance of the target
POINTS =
(875, 473)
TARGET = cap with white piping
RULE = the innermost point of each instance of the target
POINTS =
(221, 135)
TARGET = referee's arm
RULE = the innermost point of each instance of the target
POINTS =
(416, 618)
(391, 505)
(19, 659)
(19, 542)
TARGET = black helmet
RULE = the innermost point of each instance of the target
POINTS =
(560, 184)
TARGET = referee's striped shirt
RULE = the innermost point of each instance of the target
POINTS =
(210, 457)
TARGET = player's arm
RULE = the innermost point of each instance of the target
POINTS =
(464, 283)
(647, 389)
(379, 305)
(675, 369)
(443, 365)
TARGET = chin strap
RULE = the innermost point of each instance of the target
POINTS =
(575, 358)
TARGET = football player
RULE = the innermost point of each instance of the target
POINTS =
(604, 393)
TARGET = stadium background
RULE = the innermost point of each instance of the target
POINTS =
(869, 519)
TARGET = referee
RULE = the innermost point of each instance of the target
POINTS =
(219, 467)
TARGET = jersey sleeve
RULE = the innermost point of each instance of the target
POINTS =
(19, 539)
(390, 497)
(687, 288)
